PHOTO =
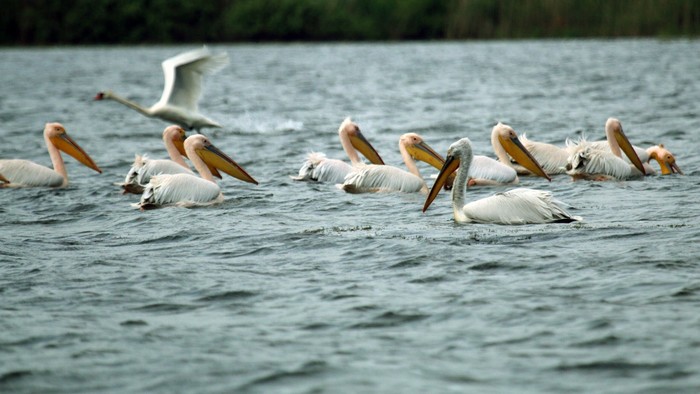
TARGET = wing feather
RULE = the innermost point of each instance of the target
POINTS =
(381, 178)
(183, 77)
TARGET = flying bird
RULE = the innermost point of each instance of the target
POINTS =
(182, 90)
(21, 173)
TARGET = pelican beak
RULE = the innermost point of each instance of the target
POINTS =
(180, 145)
(627, 147)
(66, 144)
(360, 143)
(423, 152)
(214, 157)
(668, 165)
(450, 166)
(522, 156)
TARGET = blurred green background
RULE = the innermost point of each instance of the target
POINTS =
(37, 22)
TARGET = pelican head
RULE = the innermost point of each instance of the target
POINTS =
(506, 137)
(56, 134)
(358, 141)
(613, 132)
(212, 156)
(177, 136)
(666, 160)
(420, 150)
(456, 153)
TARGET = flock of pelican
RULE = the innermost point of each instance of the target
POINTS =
(163, 182)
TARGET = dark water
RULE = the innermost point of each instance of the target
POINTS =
(294, 287)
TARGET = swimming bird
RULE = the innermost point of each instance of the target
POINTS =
(182, 90)
(517, 206)
(552, 158)
(144, 168)
(487, 171)
(319, 168)
(188, 189)
(666, 160)
(26, 173)
(383, 178)
(588, 161)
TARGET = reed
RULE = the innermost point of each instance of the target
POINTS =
(42, 22)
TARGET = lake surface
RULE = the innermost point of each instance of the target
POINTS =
(300, 288)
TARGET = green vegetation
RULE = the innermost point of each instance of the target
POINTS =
(41, 22)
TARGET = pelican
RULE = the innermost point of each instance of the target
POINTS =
(182, 90)
(382, 178)
(552, 158)
(26, 173)
(588, 161)
(3, 180)
(487, 171)
(188, 189)
(144, 168)
(319, 168)
(666, 160)
(517, 206)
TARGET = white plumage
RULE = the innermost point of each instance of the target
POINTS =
(506, 145)
(22, 173)
(319, 168)
(144, 168)
(552, 158)
(588, 161)
(189, 190)
(517, 206)
(382, 178)
(182, 90)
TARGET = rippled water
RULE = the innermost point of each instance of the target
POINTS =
(296, 287)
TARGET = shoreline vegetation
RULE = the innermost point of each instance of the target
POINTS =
(47, 22)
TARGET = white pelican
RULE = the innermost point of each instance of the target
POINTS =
(588, 161)
(487, 171)
(3, 179)
(552, 158)
(182, 90)
(26, 173)
(144, 168)
(382, 178)
(319, 168)
(517, 206)
(188, 189)
(666, 160)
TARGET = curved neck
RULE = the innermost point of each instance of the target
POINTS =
(56, 159)
(199, 164)
(408, 160)
(174, 153)
(612, 142)
(460, 188)
(348, 148)
(129, 104)
(498, 149)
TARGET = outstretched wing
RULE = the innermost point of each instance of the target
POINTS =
(183, 77)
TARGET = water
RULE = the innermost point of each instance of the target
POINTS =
(295, 287)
